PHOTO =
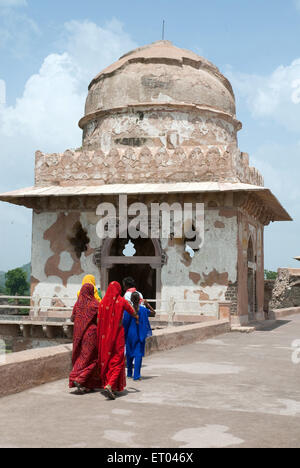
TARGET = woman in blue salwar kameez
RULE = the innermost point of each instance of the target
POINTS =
(136, 335)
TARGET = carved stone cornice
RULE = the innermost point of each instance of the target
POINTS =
(256, 208)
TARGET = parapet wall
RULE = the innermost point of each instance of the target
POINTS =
(28, 369)
(135, 164)
(152, 143)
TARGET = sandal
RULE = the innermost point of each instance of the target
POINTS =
(109, 393)
(80, 389)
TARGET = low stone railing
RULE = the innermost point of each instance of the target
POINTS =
(27, 369)
(32, 328)
(53, 322)
(277, 314)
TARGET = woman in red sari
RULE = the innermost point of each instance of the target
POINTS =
(85, 373)
(111, 340)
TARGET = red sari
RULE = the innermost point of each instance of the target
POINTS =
(85, 353)
(111, 338)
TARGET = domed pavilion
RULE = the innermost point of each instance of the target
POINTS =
(159, 126)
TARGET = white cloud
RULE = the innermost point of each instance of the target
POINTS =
(297, 4)
(12, 3)
(2, 93)
(92, 47)
(15, 236)
(46, 116)
(276, 96)
(274, 103)
(18, 33)
(279, 163)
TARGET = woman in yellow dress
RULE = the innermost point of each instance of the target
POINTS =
(90, 279)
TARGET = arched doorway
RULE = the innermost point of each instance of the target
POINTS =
(252, 300)
(139, 258)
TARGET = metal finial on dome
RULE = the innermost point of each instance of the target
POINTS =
(163, 30)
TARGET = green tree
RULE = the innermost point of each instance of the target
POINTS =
(271, 275)
(16, 282)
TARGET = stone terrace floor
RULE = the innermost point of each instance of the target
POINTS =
(237, 390)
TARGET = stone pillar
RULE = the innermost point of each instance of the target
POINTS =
(242, 303)
(26, 330)
(260, 276)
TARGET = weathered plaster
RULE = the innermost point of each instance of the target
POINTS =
(59, 235)
(159, 128)
(66, 261)
(208, 273)
(53, 254)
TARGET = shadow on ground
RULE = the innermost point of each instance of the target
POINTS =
(271, 325)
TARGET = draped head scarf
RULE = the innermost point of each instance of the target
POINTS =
(90, 279)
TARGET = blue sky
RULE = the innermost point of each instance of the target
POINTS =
(50, 50)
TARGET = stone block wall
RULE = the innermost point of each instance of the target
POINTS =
(231, 295)
(286, 292)
(269, 286)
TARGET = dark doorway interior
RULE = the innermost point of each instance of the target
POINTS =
(144, 275)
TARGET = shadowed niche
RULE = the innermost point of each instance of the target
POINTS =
(80, 241)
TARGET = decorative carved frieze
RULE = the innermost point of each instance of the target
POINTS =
(133, 164)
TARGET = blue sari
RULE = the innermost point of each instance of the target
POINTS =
(136, 334)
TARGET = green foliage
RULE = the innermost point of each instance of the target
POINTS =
(16, 282)
(2, 280)
(27, 269)
(271, 275)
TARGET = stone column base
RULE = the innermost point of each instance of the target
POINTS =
(260, 316)
(239, 320)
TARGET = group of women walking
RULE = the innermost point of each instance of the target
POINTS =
(102, 328)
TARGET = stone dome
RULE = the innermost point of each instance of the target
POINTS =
(161, 114)
(157, 74)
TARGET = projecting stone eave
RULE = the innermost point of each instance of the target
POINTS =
(171, 106)
(27, 196)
